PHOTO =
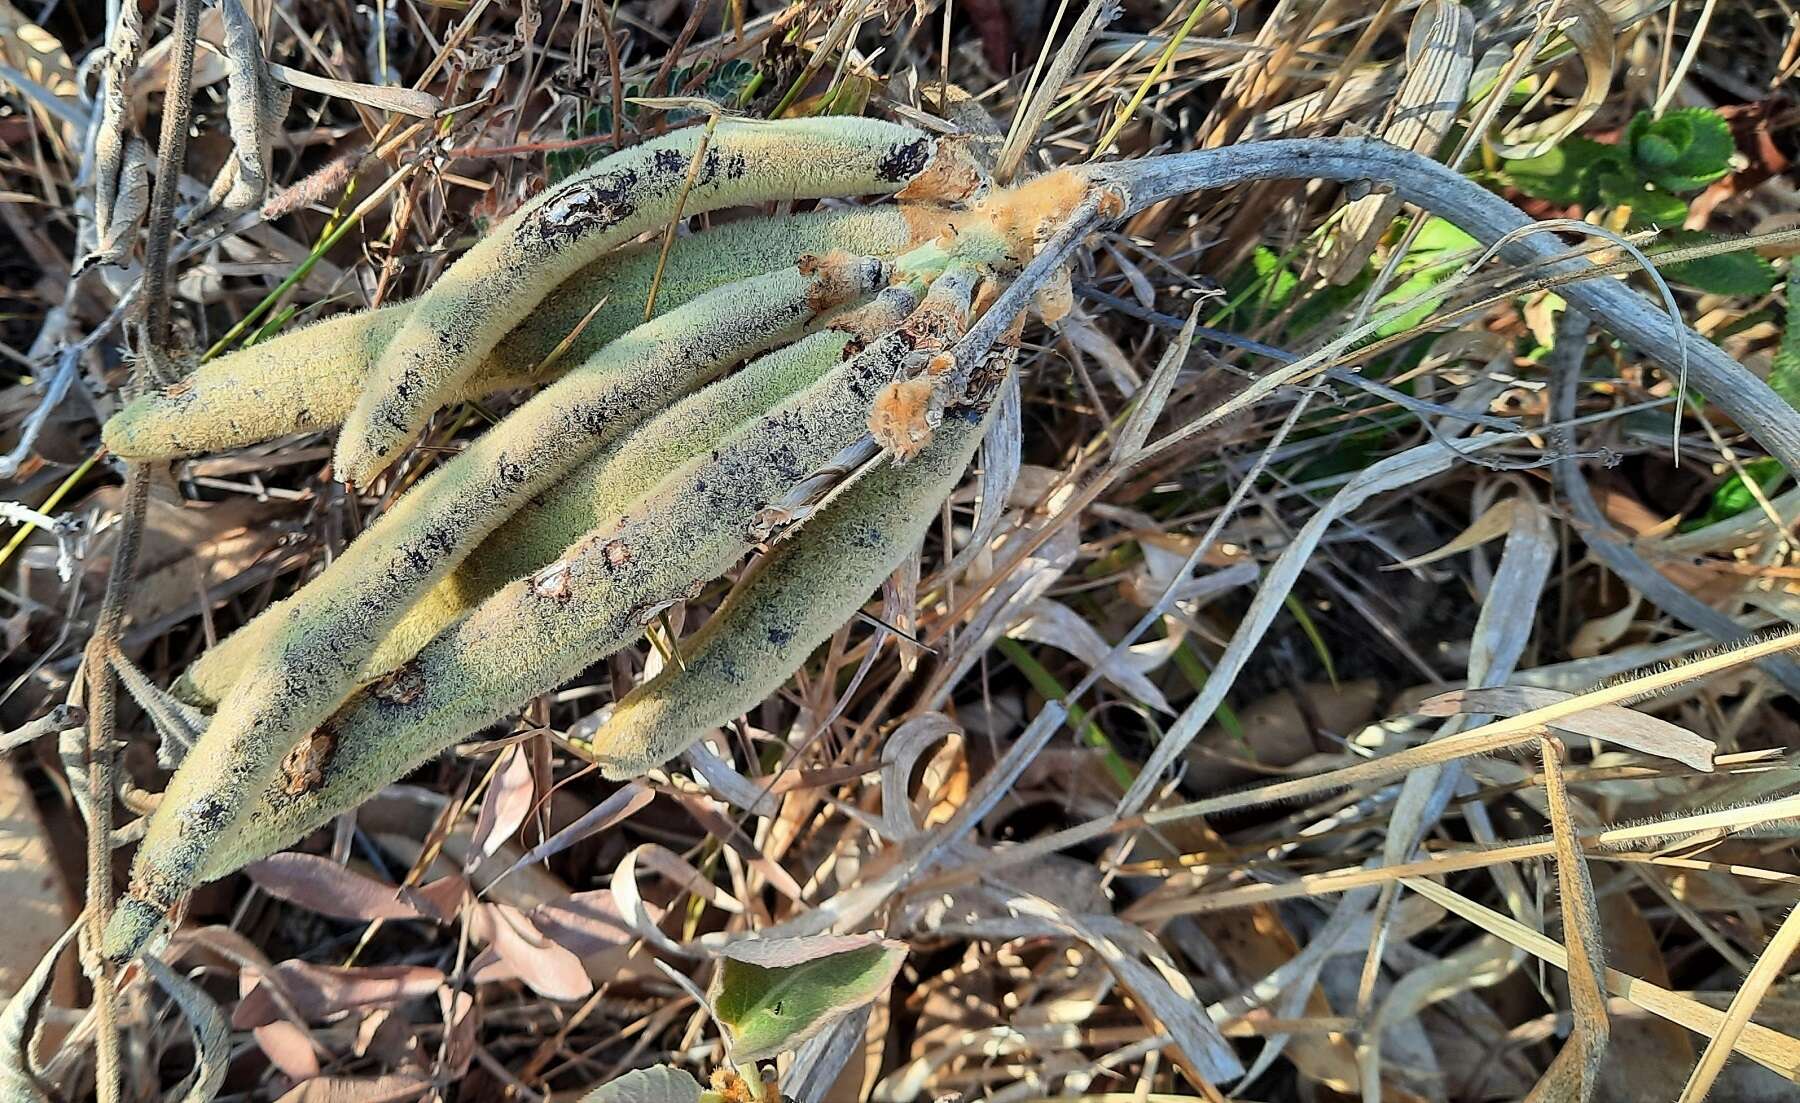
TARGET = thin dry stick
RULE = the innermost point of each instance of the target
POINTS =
(103, 699)
(1595, 846)
(1580, 1058)
(1596, 528)
(668, 237)
(171, 154)
(1769, 1048)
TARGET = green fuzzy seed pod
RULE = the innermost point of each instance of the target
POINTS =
(792, 600)
(310, 378)
(336, 622)
(602, 487)
(538, 632)
(495, 285)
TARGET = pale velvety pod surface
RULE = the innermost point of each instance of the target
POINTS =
(602, 487)
(338, 619)
(310, 377)
(495, 285)
(536, 633)
(789, 603)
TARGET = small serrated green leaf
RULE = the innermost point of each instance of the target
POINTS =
(1684, 150)
(1656, 151)
(773, 994)
(1743, 274)
(1653, 207)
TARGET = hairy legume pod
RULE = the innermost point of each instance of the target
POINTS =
(536, 633)
(335, 623)
(793, 599)
(495, 285)
(309, 378)
(602, 487)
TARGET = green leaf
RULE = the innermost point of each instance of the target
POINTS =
(1653, 207)
(1566, 173)
(1743, 274)
(1784, 374)
(656, 1084)
(1684, 150)
(773, 994)
(1437, 237)
(1734, 497)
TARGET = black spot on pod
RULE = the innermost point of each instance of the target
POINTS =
(779, 637)
(904, 160)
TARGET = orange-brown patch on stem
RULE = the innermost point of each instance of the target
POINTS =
(838, 277)
(900, 418)
(953, 174)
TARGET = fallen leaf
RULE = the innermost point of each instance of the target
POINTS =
(321, 885)
(321, 990)
(38, 906)
(514, 941)
(504, 808)
(352, 1089)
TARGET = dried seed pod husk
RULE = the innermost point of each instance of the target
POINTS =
(495, 285)
(788, 603)
(538, 632)
(310, 377)
(331, 628)
(602, 487)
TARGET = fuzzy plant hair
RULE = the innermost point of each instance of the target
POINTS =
(494, 286)
(328, 631)
(311, 377)
(537, 632)
(790, 601)
(602, 487)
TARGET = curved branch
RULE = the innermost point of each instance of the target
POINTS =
(1488, 218)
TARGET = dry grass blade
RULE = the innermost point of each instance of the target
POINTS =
(1266, 348)
(207, 1026)
(1771, 964)
(1771, 1049)
(1607, 723)
(20, 1023)
(1572, 1075)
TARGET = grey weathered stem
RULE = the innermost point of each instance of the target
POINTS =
(1597, 531)
(1485, 216)
(1488, 218)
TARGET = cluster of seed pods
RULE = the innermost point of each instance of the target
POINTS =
(642, 468)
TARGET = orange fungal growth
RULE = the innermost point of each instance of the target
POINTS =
(951, 176)
(899, 419)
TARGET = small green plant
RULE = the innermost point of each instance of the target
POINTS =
(769, 996)
(1645, 177)
(1733, 495)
